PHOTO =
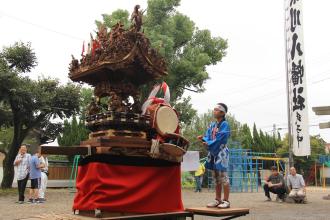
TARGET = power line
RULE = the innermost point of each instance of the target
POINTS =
(315, 82)
(266, 97)
(41, 26)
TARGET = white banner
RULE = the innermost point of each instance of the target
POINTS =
(297, 78)
(190, 161)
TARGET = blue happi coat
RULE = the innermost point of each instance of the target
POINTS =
(216, 138)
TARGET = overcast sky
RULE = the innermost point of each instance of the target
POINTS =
(250, 79)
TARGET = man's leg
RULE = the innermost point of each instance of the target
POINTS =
(279, 191)
(36, 190)
(300, 193)
(36, 194)
(19, 187)
(218, 189)
(301, 196)
(31, 193)
(226, 188)
(32, 190)
(218, 186)
(266, 189)
(293, 193)
(24, 182)
(226, 185)
(282, 192)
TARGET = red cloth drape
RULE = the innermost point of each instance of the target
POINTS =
(127, 188)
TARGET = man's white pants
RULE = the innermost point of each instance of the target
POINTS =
(43, 185)
(297, 193)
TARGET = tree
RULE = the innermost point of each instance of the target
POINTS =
(73, 132)
(257, 144)
(235, 127)
(185, 110)
(199, 125)
(187, 49)
(86, 96)
(32, 104)
(6, 136)
(245, 137)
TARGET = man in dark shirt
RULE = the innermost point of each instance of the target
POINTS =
(275, 184)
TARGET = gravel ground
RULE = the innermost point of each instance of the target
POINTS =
(59, 201)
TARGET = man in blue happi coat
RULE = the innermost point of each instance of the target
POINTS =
(215, 139)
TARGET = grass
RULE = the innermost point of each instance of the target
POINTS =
(7, 192)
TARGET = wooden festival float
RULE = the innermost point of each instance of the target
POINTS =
(130, 164)
(131, 160)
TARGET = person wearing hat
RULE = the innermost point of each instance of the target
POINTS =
(215, 139)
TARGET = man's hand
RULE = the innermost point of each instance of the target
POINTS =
(270, 184)
(200, 137)
(18, 161)
(205, 144)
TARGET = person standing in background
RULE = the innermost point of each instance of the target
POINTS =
(22, 174)
(199, 177)
(44, 177)
(35, 177)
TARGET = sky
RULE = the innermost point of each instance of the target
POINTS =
(251, 79)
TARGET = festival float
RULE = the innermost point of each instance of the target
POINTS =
(130, 163)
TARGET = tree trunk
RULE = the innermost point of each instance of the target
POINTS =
(8, 173)
(8, 167)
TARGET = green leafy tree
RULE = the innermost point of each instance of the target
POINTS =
(6, 136)
(86, 95)
(185, 110)
(257, 144)
(245, 137)
(263, 142)
(187, 49)
(200, 124)
(235, 127)
(73, 132)
(32, 104)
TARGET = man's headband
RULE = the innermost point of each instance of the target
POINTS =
(221, 108)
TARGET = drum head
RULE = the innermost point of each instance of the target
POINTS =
(166, 120)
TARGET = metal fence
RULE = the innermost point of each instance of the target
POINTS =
(245, 169)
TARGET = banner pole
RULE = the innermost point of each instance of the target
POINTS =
(288, 88)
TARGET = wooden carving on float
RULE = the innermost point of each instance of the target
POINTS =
(117, 63)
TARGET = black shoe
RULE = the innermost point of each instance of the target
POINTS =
(42, 200)
(30, 201)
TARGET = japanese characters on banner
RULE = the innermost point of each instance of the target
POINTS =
(296, 78)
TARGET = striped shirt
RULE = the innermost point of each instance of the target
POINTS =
(23, 167)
